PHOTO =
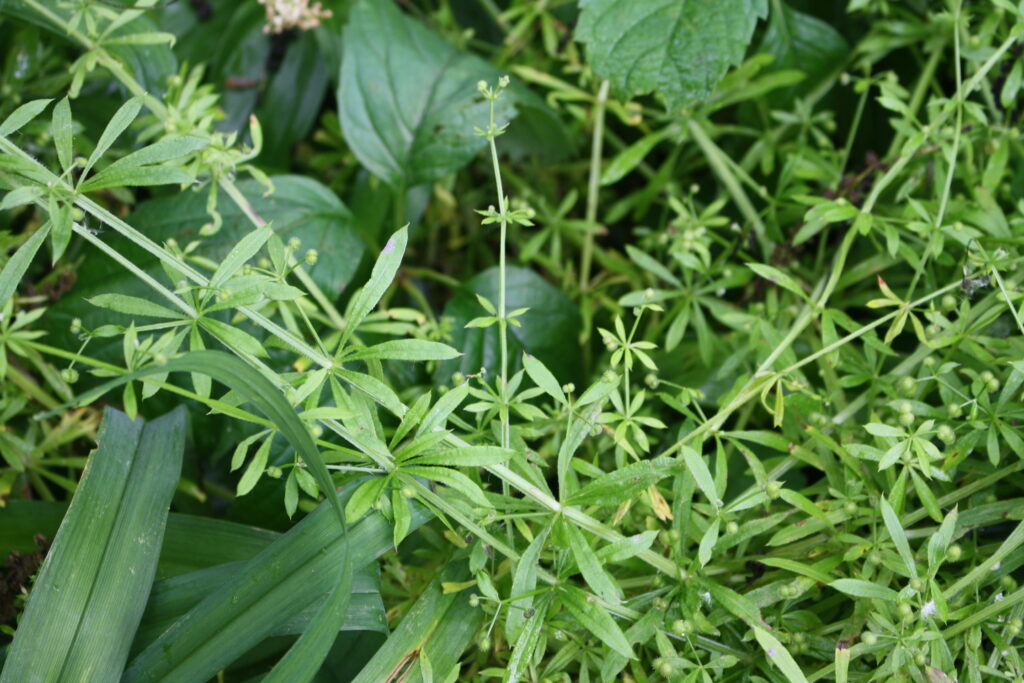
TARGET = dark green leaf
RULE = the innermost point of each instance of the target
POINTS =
(801, 41)
(408, 105)
(552, 321)
(679, 48)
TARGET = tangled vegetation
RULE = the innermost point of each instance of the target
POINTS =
(519, 340)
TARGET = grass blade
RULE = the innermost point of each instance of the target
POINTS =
(291, 575)
(438, 627)
(91, 591)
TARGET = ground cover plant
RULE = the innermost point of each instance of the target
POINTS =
(518, 340)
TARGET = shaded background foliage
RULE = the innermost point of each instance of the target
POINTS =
(742, 493)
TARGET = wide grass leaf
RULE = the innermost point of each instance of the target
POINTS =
(258, 390)
(172, 598)
(438, 627)
(190, 542)
(288, 579)
(91, 591)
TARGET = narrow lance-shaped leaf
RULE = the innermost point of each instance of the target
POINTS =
(63, 128)
(22, 115)
(593, 573)
(940, 540)
(380, 279)
(543, 378)
(779, 655)
(702, 475)
(595, 618)
(625, 483)
(405, 349)
(524, 581)
(898, 536)
(117, 125)
(16, 266)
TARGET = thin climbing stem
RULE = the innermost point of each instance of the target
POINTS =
(493, 132)
(593, 184)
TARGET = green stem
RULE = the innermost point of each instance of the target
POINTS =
(593, 183)
(502, 320)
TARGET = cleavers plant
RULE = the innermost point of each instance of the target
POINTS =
(726, 385)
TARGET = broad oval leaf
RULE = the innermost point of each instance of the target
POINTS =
(408, 104)
(679, 48)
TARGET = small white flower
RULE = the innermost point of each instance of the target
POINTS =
(928, 610)
(706, 596)
(284, 15)
(998, 598)
(996, 566)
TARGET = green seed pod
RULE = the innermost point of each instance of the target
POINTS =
(868, 638)
(682, 626)
(945, 434)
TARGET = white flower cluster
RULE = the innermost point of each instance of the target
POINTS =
(283, 15)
